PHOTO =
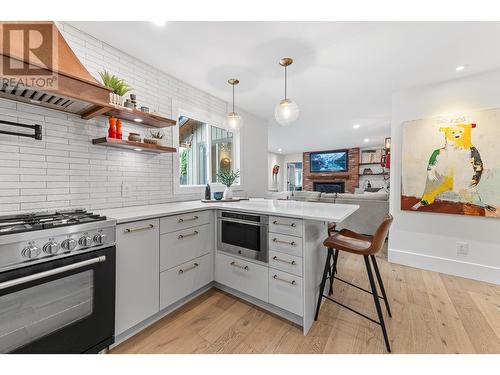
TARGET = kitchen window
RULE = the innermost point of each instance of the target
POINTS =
(205, 149)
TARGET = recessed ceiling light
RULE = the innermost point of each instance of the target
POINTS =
(138, 119)
(460, 68)
(159, 23)
(279, 150)
(137, 149)
(356, 126)
(366, 140)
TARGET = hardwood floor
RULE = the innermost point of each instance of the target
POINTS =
(432, 313)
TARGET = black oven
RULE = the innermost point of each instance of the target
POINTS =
(243, 234)
(62, 306)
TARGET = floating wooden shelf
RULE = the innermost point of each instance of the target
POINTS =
(373, 174)
(377, 162)
(149, 119)
(123, 143)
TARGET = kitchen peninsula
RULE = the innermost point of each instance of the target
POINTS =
(267, 252)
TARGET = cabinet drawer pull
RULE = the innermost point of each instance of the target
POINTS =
(189, 268)
(293, 225)
(181, 220)
(285, 242)
(275, 277)
(181, 236)
(234, 264)
(284, 261)
(137, 229)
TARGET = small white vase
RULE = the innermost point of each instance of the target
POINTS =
(228, 193)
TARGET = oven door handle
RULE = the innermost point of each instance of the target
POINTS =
(55, 271)
(256, 224)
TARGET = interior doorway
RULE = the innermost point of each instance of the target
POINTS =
(294, 176)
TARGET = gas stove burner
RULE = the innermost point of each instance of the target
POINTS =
(44, 220)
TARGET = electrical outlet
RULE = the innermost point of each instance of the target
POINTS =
(462, 249)
(126, 190)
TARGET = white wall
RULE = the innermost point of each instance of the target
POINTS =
(275, 159)
(66, 170)
(293, 158)
(428, 240)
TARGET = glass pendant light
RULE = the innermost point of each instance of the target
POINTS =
(287, 111)
(233, 120)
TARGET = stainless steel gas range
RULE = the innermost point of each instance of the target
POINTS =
(57, 282)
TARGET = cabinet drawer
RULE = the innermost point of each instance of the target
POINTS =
(183, 245)
(184, 279)
(137, 267)
(246, 277)
(285, 291)
(285, 225)
(285, 262)
(177, 222)
(285, 244)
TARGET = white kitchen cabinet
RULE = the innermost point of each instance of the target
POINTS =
(185, 279)
(286, 225)
(285, 291)
(285, 262)
(178, 222)
(285, 244)
(247, 277)
(137, 268)
(183, 245)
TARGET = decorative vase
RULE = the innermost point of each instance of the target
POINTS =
(116, 99)
(112, 127)
(228, 193)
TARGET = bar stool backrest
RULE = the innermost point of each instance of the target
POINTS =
(380, 235)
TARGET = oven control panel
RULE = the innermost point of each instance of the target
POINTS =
(54, 245)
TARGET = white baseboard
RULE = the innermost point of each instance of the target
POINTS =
(448, 266)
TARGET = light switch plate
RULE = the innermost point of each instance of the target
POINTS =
(462, 249)
(126, 190)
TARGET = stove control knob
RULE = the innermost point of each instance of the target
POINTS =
(69, 244)
(51, 248)
(100, 238)
(31, 251)
(85, 241)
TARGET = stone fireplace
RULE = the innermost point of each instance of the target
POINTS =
(350, 179)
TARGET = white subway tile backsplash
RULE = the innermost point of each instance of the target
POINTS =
(65, 170)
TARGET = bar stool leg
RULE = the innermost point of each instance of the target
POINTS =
(333, 271)
(323, 282)
(381, 284)
(377, 302)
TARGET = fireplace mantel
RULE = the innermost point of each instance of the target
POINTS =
(332, 177)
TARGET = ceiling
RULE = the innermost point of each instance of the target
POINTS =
(344, 72)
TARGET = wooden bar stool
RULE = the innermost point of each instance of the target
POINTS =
(367, 246)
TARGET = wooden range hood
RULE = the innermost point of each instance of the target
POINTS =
(76, 90)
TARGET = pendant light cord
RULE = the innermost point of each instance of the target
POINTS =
(233, 98)
(285, 82)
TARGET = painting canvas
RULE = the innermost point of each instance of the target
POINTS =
(452, 165)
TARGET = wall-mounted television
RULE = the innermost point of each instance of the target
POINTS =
(329, 161)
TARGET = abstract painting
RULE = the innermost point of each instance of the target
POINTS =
(452, 165)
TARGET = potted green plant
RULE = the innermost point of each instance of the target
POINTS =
(119, 87)
(228, 178)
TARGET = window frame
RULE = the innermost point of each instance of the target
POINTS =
(180, 109)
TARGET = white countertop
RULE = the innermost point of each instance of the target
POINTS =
(286, 208)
